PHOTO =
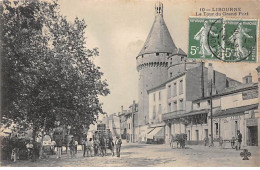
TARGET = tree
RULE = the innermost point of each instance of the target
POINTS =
(47, 71)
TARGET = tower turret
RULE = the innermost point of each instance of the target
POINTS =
(152, 61)
(158, 8)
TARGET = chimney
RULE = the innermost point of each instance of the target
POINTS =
(133, 108)
(202, 80)
(247, 79)
(211, 79)
(210, 73)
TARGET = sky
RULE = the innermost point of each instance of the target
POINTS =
(119, 29)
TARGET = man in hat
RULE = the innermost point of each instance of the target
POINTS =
(72, 147)
(239, 140)
(103, 146)
(118, 144)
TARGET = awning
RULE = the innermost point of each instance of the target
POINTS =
(156, 132)
(160, 134)
(157, 125)
(173, 115)
(196, 112)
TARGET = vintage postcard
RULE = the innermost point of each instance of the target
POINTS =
(130, 83)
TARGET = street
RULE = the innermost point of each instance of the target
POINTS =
(152, 155)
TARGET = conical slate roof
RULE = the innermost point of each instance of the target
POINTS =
(159, 39)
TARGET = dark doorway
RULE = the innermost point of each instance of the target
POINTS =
(197, 135)
(252, 136)
(206, 133)
(188, 135)
(236, 128)
(170, 130)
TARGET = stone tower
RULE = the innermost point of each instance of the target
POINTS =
(152, 62)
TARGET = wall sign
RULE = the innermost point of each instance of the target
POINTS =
(250, 94)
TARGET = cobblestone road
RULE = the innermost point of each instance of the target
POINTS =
(153, 155)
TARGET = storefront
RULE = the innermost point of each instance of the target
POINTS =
(226, 124)
(193, 123)
(252, 131)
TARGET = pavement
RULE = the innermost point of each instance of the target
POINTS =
(146, 155)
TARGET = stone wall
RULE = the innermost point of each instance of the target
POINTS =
(152, 72)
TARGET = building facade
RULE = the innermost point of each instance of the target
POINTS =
(234, 109)
(128, 121)
(257, 114)
(183, 88)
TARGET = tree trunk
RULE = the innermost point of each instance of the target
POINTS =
(41, 146)
(34, 144)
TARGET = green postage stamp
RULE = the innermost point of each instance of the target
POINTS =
(223, 39)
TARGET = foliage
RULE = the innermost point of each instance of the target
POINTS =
(47, 70)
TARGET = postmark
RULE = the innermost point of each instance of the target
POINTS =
(226, 40)
(240, 39)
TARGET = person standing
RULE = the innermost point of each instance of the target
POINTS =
(111, 146)
(90, 147)
(118, 146)
(72, 147)
(171, 141)
(206, 141)
(59, 146)
(87, 147)
(53, 145)
(239, 140)
(103, 146)
(84, 145)
(210, 141)
(96, 146)
(29, 147)
(76, 147)
(15, 154)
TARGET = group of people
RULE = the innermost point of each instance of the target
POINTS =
(96, 146)
(235, 141)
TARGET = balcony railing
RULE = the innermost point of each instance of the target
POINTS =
(171, 115)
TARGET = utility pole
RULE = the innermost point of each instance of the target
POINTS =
(211, 110)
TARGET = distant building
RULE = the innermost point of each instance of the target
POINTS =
(129, 123)
(132, 121)
(123, 123)
(112, 122)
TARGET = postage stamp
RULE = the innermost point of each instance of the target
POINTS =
(201, 31)
(240, 40)
(226, 40)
